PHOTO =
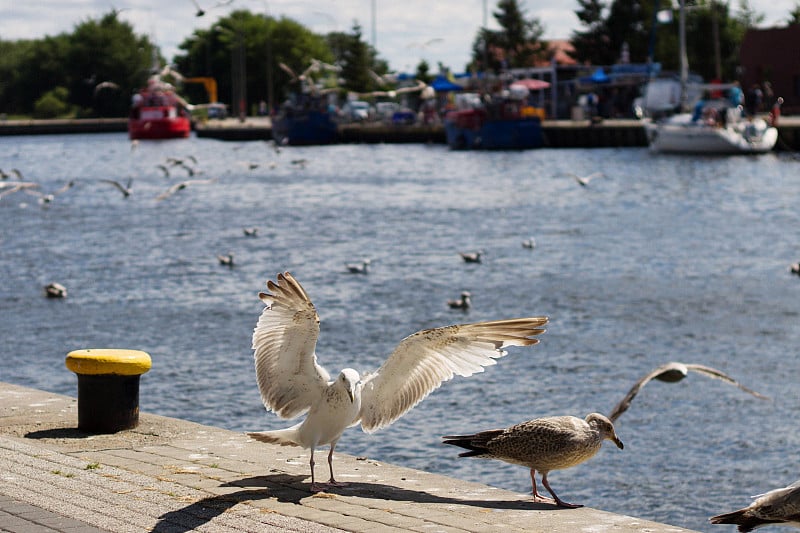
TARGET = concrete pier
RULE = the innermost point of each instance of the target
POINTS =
(169, 475)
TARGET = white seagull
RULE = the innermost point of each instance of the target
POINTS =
(583, 181)
(292, 383)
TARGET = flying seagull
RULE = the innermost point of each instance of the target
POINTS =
(583, 181)
(179, 187)
(779, 506)
(672, 373)
(542, 444)
(292, 383)
(124, 189)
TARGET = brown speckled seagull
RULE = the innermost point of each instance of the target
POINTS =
(292, 383)
(543, 444)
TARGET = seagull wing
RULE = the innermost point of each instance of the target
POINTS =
(623, 405)
(289, 378)
(426, 359)
(714, 373)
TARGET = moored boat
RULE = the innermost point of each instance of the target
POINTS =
(712, 134)
(493, 124)
(158, 112)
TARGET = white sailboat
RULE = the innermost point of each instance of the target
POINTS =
(717, 130)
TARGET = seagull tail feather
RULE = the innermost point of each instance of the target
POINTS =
(476, 444)
(284, 437)
(740, 518)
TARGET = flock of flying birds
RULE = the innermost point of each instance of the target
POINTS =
(292, 383)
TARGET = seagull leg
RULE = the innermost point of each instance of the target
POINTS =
(559, 501)
(536, 496)
(330, 465)
(314, 486)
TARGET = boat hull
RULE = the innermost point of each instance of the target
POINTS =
(499, 134)
(303, 129)
(683, 136)
(159, 124)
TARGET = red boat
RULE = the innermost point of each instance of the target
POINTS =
(158, 113)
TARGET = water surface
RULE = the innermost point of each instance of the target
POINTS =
(665, 258)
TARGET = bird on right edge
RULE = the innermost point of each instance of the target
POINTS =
(779, 506)
(543, 444)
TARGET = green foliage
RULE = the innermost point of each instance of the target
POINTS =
(266, 43)
(517, 44)
(52, 104)
(607, 26)
(98, 50)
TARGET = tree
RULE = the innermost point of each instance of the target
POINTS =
(517, 44)
(356, 58)
(106, 50)
(591, 43)
(794, 15)
(266, 43)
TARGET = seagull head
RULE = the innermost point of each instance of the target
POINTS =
(605, 427)
(350, 379)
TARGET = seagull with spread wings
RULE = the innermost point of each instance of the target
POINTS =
(672, 373)
(292, 383)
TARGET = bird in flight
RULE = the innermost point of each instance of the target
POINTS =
(179, 187)
(583, 181)
(124, 189)
(672, 373)
(292, 383)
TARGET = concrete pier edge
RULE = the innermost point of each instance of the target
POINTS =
(170, 475)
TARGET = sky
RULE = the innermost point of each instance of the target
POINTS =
(404, 32)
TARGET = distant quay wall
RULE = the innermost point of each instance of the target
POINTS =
(616, 133)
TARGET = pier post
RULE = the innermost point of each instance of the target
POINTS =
(108, 387)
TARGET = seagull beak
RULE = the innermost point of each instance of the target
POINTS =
(618, 442)
(352, 395)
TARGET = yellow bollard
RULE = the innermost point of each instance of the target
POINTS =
(108, 387)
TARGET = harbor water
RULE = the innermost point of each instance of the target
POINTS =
(662, 258)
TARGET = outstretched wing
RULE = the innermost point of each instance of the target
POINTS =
(289, 378)
(714, 373)
(623, 405)
(672, 372)
(424, 360)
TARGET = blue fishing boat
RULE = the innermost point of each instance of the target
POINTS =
(306, 124)
(493, 124)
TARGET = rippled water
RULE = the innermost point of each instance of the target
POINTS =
(664, 258)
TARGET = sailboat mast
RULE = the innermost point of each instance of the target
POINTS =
(684, 59)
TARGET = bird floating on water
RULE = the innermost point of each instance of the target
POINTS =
(226, 260)
(358, 268)
(672, 373)
(529, 243)
(543, 444)
(291, 382)
(779, 506)
(472, 257)
(795, 268)
(250, 232)
(55, 290)
(462, 303)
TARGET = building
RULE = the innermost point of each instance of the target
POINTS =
(770, 55)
